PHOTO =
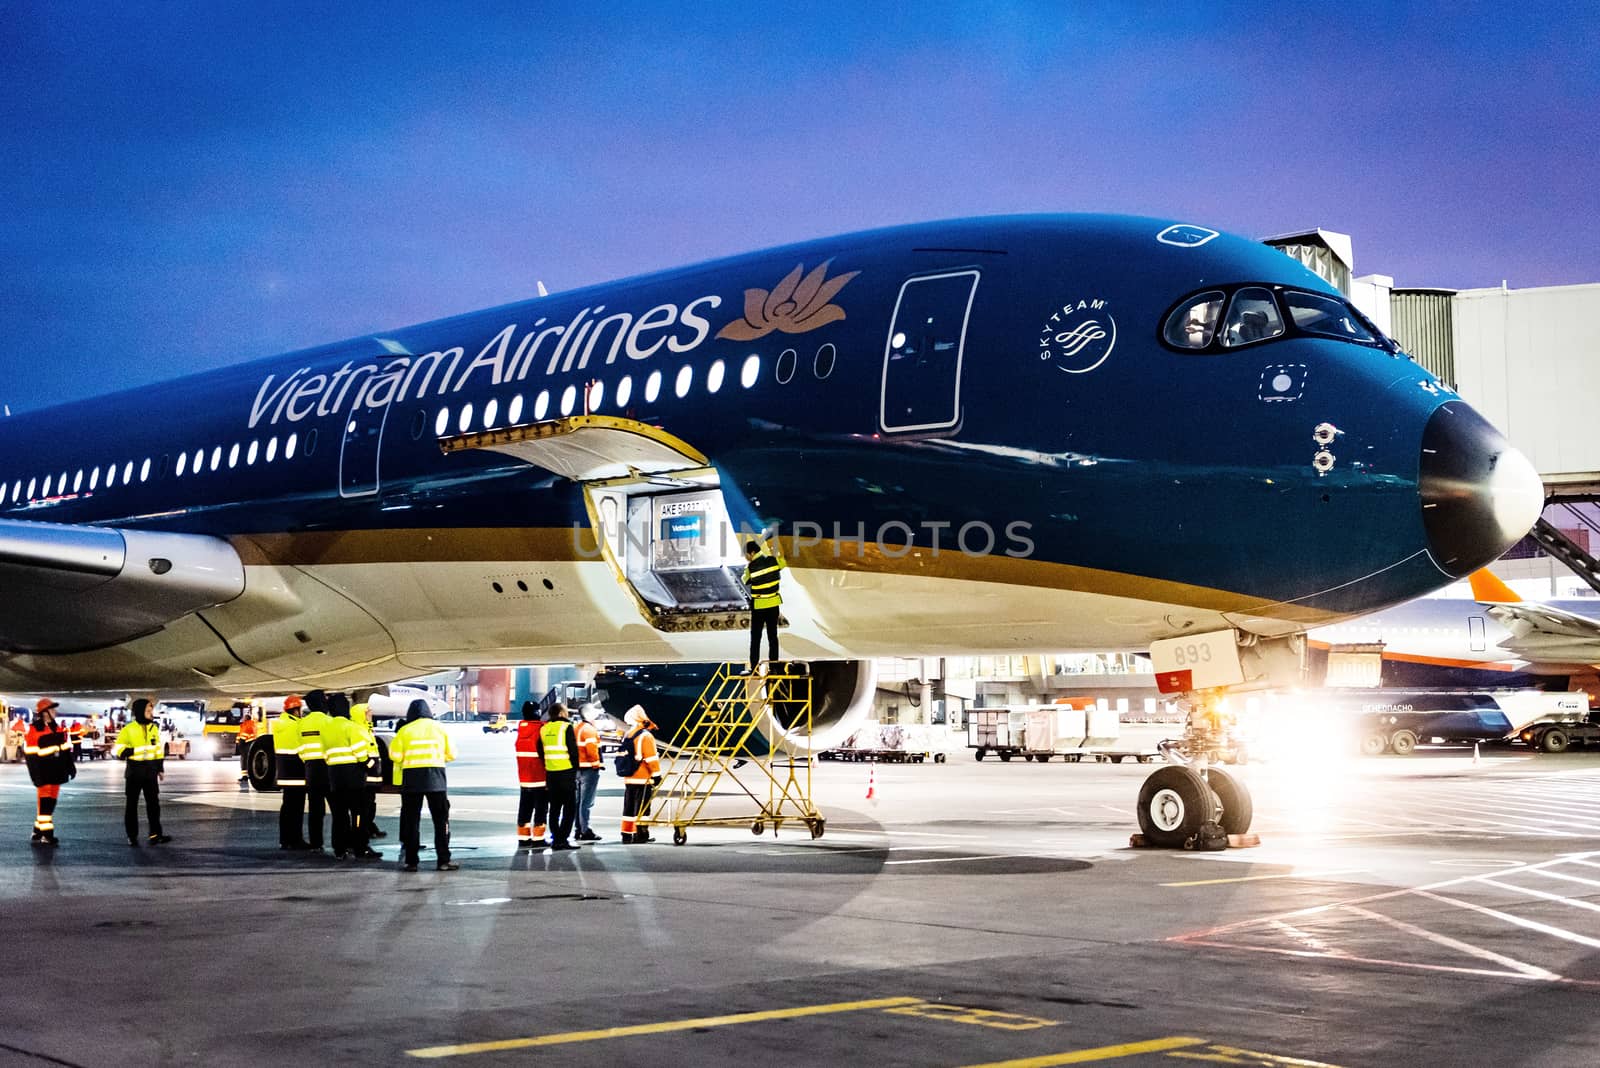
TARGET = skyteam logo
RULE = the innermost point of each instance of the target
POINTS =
(1078, 336)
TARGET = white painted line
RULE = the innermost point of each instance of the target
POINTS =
(1310, 941)
(1574, 902)
(1532, 925)
(1532, 971)
(990, 856)
(1569, 878)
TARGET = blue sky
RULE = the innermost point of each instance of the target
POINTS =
(189, 185)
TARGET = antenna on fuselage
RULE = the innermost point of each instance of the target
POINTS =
(543, 292)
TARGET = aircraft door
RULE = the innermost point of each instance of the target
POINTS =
(358, 455)
(1475, 633)
(922, 356)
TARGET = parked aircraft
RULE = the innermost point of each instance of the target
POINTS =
(979, 436)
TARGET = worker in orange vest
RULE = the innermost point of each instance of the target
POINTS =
(48, 750)
(247, 734)
(75, 731)
(534, 801)
(588, 776)
(639, 751)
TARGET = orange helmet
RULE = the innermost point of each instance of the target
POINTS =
(45, 704)
(293, 703)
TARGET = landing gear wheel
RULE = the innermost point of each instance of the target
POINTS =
(1173, 803)
(680, 836)
(1403, 743)
(818, 825)
(1374, 744)
(1554, 740)
(1237, 811)
(757, 828)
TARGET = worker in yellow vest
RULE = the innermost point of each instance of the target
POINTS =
(761, 577)
(420, 750)
(361, 719)
(315, 758)
(291, 774)
(141, 745)
(558, 748)
(346, 751)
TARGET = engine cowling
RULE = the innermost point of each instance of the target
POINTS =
(841, 699)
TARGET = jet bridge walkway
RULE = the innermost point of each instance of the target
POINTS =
(709, 761)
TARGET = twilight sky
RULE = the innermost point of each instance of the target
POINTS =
(187, 185)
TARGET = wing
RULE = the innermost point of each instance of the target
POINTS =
(68, 588)
(1541, 632)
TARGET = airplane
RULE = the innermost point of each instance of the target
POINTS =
(1496, 638)
(991, 435)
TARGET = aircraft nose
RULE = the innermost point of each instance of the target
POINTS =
(1479, 494)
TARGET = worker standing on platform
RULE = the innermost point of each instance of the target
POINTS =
(313, 755)
(588, 775)
(534, 799)
(420, 750)
(247, 734)
(291, 775)
(761, 577)
(140, 744)
(361, 719)
(51, 762)
(558, 748)
(639, 751)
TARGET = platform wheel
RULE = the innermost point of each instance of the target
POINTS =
(938, 758)
(1173, 804)
(978, 753)
(1028, 757)
(1237, 809)
(817, 826)
(1005, 758)
(1403, 742)
(758, 827)
(679, 836)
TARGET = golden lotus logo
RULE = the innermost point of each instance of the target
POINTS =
(797, 304)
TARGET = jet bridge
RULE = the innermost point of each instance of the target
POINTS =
(656, 507)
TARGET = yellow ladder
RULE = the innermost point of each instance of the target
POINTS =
(711, 745)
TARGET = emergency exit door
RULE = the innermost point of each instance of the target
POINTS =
(359, 453)
(922, 357)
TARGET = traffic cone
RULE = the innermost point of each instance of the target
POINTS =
(1474, 753)
(872, 781)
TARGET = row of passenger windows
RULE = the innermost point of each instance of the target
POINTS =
(683, 382)
(34, 489)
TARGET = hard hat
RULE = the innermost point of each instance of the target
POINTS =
(636, 717)
(293, 703)
(45, 704)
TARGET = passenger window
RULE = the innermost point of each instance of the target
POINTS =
(1327, 316)
(1253, 316)
(1194, 323)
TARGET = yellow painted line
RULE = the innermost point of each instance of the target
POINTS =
(1104, 1053)
(1258, 878)
(660, 1028)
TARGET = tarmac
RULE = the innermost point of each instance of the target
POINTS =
(1420, 911)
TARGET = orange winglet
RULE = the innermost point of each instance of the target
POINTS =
(1487, 587)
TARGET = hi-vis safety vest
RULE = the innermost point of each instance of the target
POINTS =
(312, 727)
(530, 766)
(553, 744)
(341, 745)
(762, 578)
(422, 743)
(588, 744)
(285, 731)
(361, 724)
(141, 741)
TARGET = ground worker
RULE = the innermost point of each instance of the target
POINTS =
(51, 762)
(312, 755)
(534, 799)
(247, 734)
(420, 750)
(346, 750)
(558, 748)
(761, 577)
(361, 719)
(639, 750)
(588, 775)
(140, 744)
(291, 774)
(75, 731)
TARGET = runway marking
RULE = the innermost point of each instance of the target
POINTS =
(1532, 925)
(1235, 1055)
(1568, 878)
(1576, 903)
(1001, 1021)
(1308, 940)
(568, 1037)
(1103, 1053)
(987, 856)
(1258, 878)
(1530, 970)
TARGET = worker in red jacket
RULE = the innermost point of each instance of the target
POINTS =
(534, 802)
(48, 750)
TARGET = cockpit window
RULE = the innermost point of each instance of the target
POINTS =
(1253, 316)
(1326, 316)
(1194, 322)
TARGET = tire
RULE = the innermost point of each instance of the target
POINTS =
(1403, 742)
(1028, 757)
(1554, 740)
(1374, 744)
(1117, 759)
(1173, 802)
(261, 765)
(1237, 809)
(938, 758)
(679, 836)
(1043, 758)
(1005, 758)
(818, 826)
(977, 754)
(757, 828)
